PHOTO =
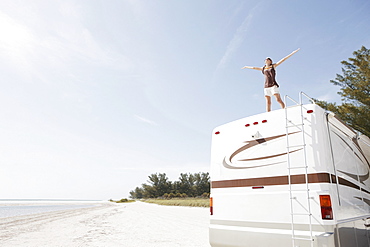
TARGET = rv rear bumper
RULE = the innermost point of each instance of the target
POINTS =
(226, 235)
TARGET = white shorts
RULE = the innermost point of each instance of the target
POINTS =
(269, 91)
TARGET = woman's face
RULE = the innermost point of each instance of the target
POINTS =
(268, 61)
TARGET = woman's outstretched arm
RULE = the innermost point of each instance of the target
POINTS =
(250, 67)
(285, 58)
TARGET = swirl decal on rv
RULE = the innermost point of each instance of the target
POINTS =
(361, 178)
(236, 158)
(356, 149)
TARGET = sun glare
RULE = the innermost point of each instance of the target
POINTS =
(14, 37)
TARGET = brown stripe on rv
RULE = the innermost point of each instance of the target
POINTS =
(362, 189)
(367, 201)
(333, 178)
(345, 182)
(278, 180)
(283, 180)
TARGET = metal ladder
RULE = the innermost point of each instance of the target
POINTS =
(303, 166)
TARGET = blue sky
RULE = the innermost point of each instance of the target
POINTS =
(97, 95)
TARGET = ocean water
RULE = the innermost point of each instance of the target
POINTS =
(9, 208)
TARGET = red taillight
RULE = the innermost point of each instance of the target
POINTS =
(255, 123)
(264, 121)
(326, 210)
(310, 111)
(211, 205)
(217, 132)
(258, 187)
(247, 125)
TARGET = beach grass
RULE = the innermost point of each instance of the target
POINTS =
(189, 202)
(124, 200)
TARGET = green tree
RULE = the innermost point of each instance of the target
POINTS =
(201, 183)
(189, 184)
(186, 184)
(176, 187)
(149, 191)
(355, 92)
(160, 184)
(138, 193)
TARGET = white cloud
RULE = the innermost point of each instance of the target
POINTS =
(145, 120)
(40, 46)
(330, 96)
(237, 39)
(13, 34)
(256, 96)
(15, 41)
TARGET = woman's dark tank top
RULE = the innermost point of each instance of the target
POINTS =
(269, 76)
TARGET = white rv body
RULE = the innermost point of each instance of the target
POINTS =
(269, 170)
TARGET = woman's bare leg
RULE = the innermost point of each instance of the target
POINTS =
(278, 99)
(268, 103)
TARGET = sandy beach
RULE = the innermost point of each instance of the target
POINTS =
(109, 224)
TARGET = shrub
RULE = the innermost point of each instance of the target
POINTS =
(123, 200)
(205, 195)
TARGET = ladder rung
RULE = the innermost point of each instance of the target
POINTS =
(301, 214)
(296, 146)
(294, 125)
(298, 167)
(291, 106)
(301, 190)
(308, 239)
(309, 198)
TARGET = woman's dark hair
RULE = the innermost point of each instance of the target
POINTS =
(263, 69)
(268, 58)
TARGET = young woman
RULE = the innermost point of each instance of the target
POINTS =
(271, 86)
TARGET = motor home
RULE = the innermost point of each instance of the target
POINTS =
(294, 177)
